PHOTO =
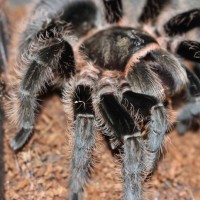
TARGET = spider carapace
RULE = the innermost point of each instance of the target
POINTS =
(112, 48)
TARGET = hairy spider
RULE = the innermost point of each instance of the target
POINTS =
(118, 75)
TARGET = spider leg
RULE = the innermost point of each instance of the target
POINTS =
(42, 13)
(125, 129)
(151, 86)
(194, 82)
(3, 65)
(156, 74)
(118, 118)
(122, 127)
(132, 169)
(4, 40)
(84, 136)
(156, 131)
(189, 50)
(82, 159)
(148, 109)
(152, 9)
(190, 114)
(138, 157)
(113, 10)
(48, 54)
(183, 22)
(196, 69)
(169, 70)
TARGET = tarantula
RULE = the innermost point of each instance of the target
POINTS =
(115, 77)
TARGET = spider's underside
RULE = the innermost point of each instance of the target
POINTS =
(115, 78)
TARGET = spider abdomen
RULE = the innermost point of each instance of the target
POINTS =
(113, 48)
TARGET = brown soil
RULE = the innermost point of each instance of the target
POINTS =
(40, 170)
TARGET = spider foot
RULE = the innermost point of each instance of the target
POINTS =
(76, 196)
(189, 117)
(132, 169)
(20, 139)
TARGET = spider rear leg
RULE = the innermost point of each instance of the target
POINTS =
(196, 69)
(189, 50)
(113, 10)
(183, 22)
(152, 9)
(48, 55)
(189, 116)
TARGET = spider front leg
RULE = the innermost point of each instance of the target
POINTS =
(147, 147)
(148, 110)
(84, 137)
(46, 54)
(132, 169)
(155, 136)
(125, 130)
(82, 154)
(125, 119)
(36, 76)
(160, 74)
